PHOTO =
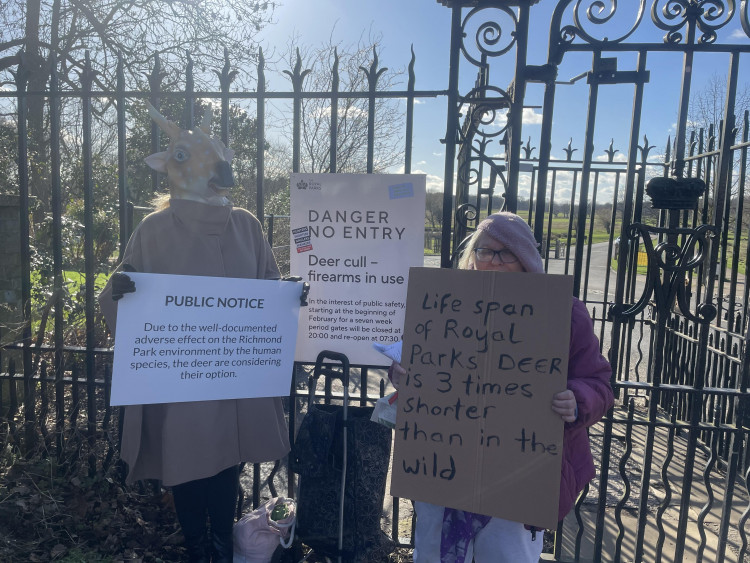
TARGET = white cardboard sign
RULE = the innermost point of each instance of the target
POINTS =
(198, 338)
(354, 238)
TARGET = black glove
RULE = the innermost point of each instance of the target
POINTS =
(305, 288)
(121, 282)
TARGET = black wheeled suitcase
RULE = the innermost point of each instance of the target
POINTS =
(342, 459)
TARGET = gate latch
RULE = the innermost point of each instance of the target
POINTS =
(605, 72)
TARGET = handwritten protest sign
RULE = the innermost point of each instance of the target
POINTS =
(484, 354)
(354, 238)
(197, 338)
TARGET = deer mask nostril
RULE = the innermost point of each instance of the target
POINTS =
(224, 174)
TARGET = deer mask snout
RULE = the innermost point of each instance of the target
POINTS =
(224, 177)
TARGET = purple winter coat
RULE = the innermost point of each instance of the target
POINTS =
(589, 378)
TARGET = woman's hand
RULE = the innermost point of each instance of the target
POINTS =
(564, 404)
(395, 372)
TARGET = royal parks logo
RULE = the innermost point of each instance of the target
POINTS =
(309, 185)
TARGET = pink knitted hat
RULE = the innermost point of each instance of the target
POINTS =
(515, 234)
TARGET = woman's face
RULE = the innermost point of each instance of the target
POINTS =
(495, 265)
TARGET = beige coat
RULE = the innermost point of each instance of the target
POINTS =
(179, 442)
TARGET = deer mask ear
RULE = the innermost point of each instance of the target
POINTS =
(164, 124)
(158, 161)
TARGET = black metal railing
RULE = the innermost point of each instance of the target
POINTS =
(675, 451)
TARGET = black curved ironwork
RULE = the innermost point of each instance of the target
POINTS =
(483, 108)
(471, 175)
(596, 14)
(672, 365)
(665, 503)
(466, 214)
(622, 467)
(483, 104)
(707, 15)
(489, 33)
(706, 509)
(600, 22)
(675, 261)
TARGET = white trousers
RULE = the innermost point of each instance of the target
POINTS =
(500, 541)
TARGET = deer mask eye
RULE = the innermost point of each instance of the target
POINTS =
(181, 155)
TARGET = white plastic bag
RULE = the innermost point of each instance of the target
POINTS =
(386, 407)
(385, 410)
(257, 535)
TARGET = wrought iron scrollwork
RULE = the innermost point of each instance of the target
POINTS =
(675, 262)
(469, 171)
(597, 13)
(466, 214)
(601, 22)
(486, 108)
(485, 122)
(708, 15)
(488, 33)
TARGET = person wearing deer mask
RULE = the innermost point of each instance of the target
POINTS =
(196, 448)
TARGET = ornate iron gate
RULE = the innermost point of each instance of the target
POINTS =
(672, 314)
(666, 288)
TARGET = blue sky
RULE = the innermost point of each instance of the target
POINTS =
(425, 24)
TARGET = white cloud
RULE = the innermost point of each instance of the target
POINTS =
(434, 183)
(437, 154)
(421, 163)
(738, 34)
(524, 185)
(502, 119)
(530, 117)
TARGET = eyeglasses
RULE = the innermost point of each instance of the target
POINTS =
(488, 255)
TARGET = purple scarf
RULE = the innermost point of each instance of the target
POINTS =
(459, 528)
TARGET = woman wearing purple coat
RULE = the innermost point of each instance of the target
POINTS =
(503, 242)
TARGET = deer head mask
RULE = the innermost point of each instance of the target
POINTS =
(196, 164)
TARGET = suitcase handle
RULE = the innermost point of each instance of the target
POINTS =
(337, 367)
(341, 371)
